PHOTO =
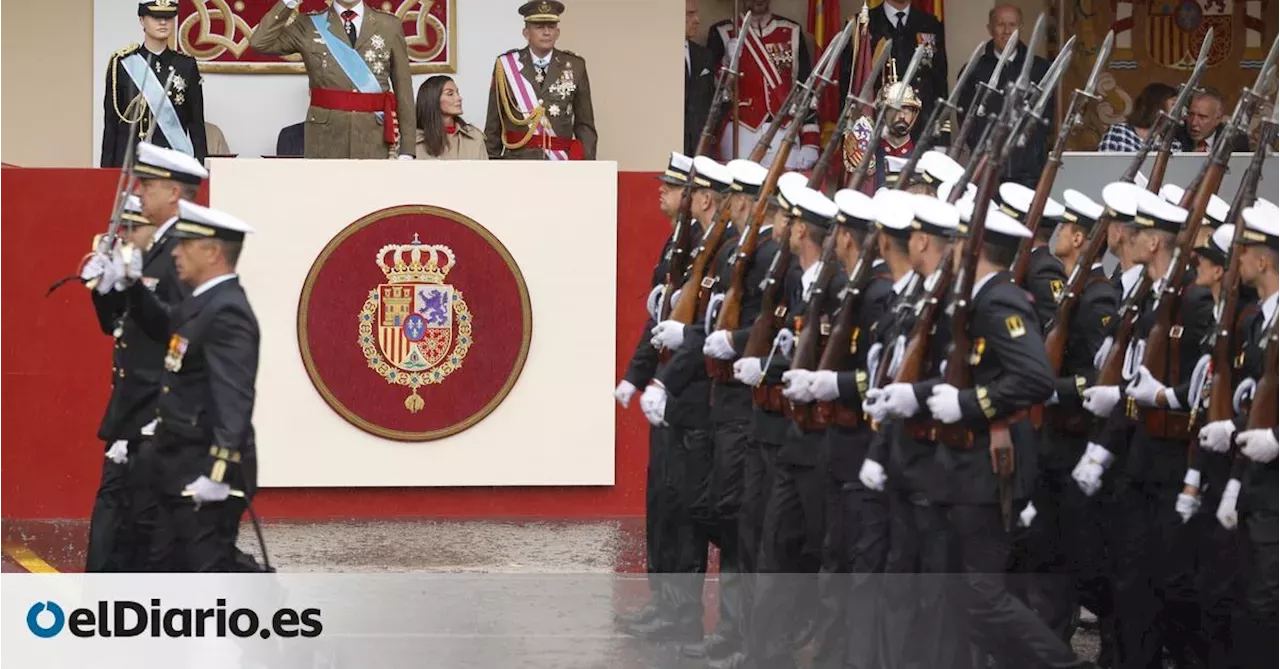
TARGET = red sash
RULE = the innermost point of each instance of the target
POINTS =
(352, 101)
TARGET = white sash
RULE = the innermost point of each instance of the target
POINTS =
(166, 117)
(527, 98)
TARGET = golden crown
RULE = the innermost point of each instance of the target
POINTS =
(416, 262)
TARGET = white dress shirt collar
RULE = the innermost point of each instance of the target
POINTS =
(1129, 279)
(358, 8)
(977, 285)
(891, 13)
(159, 234)
(901, 284)
(208, 285)
(810, 275)
(1269, 309)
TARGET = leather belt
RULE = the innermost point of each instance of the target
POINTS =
(953, 436)
(1167, 424)
(827, 414)
(769, 398)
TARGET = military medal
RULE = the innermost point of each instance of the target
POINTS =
(177, 349)
(554, 110)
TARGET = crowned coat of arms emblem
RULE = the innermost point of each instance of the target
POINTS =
(415, 329)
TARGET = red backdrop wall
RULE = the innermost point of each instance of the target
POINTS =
(55, 366)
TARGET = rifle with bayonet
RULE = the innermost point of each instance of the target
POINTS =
(1262, 410)
(1074, 117)
(944, 111)
(978, 108)
(798, 102)
(682, 237)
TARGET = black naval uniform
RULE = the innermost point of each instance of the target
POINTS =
(1045, 280)
(186, 94)
(1065, 541)
(204, 412)
(1154, 586)
(123, 513)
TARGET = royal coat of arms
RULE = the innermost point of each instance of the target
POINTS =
(415, 329)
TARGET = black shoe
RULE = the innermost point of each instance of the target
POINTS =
(641, 615)
(715, 647)
(736, 660)
(661, 629)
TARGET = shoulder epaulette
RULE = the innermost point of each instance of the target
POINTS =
(127, 50)
(570, 53)
(511, 51)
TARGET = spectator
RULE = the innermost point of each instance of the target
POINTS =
(1025, 165)
(290, 141)
(442, 134)
(699, 80)
(216, 140)
(1204, 121)
(1127, 137)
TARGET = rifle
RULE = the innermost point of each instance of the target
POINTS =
(978, 108)
(682, 237)
(933, 127)
(741, 24)
(800, 98)
(1262, 410)
(1074, 117)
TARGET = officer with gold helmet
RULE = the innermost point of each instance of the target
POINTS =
(540, 97)
(897, 141)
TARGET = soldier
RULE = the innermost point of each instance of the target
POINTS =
(897, 141)
(909, 27)
(125, 514)
(678, 397)
(136, 78)
(1046, 277)
(640, 371)
(540, 96)
(776, 56)
(358, 71)
(206, 460)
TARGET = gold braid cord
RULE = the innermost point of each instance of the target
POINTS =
(511, 115)
(136, 110)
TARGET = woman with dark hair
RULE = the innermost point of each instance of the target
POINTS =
(1127, 137)
(442, 134)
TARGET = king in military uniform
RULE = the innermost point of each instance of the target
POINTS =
(540, 97)
(136, 78)
(358, 71)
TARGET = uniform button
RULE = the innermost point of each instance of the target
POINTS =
(122, 373)
(124, 345)
(164, 389)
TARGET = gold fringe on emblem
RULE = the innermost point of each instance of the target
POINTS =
(413, 403)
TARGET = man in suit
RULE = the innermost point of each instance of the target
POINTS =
(1204, 121)
(540, 97)
(179, 118)
(124, 515)
(357, 64)
(206, 462)
(699, 80)
(908, 27)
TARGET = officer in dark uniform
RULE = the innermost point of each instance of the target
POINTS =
(679, 397)
(180, 117)
(206, 460)
(1046, 278)
(124, 513)
(640, 371)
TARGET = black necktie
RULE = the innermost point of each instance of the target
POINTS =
(902, 19)
(350, 18)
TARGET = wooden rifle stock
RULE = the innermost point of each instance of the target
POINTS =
(772, 307)
(916, 351)
(1111, 373)
(837, 355)
(1262, 411)
(1055, 342)
(692, 300)
(1047, 176)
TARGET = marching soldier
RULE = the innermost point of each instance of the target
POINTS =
(678, 397)
(124, 514)
(358, 70)
(540, 97)
(136, 77)
(642, 369)
(206, 460)
(777, 56)
(1046, 277)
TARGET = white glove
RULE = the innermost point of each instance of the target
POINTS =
(1216, 436)
(1258, 445)
(1088, 472)
(1188, 504)
(944, 403)
(404, 156)
(718, 345)
(668, 335)
(1053, 399)
(126, 263)
(1100, 400)
(1028, 514)
(748, 371)
(205, 490)
(95, 267)
(119, 452)
(654, 404)
(1101, 356)
(872, 475)
(797, 385)
(1144, 388)
(1226, 514)
(623, 393)
(897, 400)
(823, 386)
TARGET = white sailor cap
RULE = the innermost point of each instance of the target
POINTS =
(811, 206)
(1218, 247)
(1263, 202)
(197, 222)
(707, 173)
(856, 209)
(748, 176)
(155, 162)
(1215, 215)
(1015, 200)
(894, 211)
(678, 167)
(164, 9)
(1121, 200)
(1154, 212)
(132, 214)
(893, 168)
(1261, 224)
(788, 183)
(935, 216)
(1002, 229)
(944, 190)
(1080, 209)
(936, 167)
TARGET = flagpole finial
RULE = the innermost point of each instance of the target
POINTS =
(864, 16)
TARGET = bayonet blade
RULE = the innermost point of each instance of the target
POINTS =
(1099, 63)
(1010, 48)
(1051, 77)
(1268, 65)
(1037, 36)
(911, 73)
(869, 85)
(967, 73)
(736, 58)
(1189, 88)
